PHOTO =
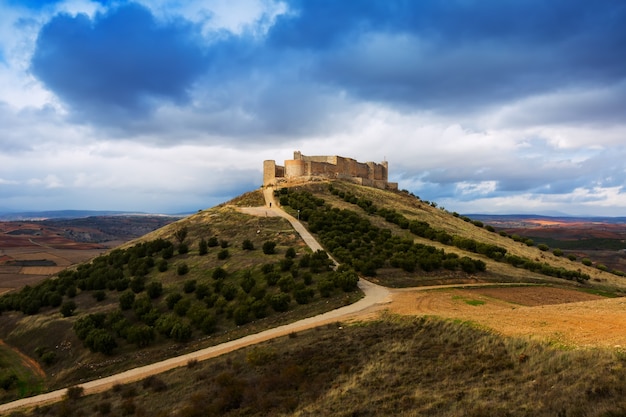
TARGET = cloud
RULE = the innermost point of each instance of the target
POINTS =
(474, 104)
(119, 64)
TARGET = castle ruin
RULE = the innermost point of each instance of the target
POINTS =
(310, 168)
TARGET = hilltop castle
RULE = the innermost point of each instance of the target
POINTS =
(309, 168)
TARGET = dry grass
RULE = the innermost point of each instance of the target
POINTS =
(391, 366)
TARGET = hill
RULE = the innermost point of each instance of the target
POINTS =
(222, 273)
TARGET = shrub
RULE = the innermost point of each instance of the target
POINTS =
(280, 302)
(269, 248)
(291, 253)
(74, 393)
(247, 245)
(154, 290)
(213, 242)
(202, 290)
(68, 308)
(183, 248)
(224, 244)
(181, 332)
(189, 286)
(557, 252)
(219, 273)
(127, 299)
(223, 254)
(49, 358)
(543, 247)
(182, 269)
(182, 306)
(586, 261)
(137, 284)
(172, 299)
(140, 334)
(99, 295)
(203, 247)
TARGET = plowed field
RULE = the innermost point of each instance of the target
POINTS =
(561, 316)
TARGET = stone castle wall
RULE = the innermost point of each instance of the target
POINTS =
(307, 168)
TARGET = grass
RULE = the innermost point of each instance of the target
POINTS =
(469, 301)
(390, 366)
(26, 381)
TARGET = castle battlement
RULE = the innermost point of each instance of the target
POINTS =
(304, 168)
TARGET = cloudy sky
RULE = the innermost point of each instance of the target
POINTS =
(485, 106)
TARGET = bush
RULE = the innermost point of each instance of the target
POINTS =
(183, 248)
(126, 300)
(99, 295)
(203, 247)
(213, 242)
(586, 261)
(172, 299)
(280, 302)
(247, 245)
(182, 269)
(543, 247)
(557, 252)
(219, 273)
(49, 358)
(74, 393)
(223, 254)
(189, 286)
(154, 290)
(68, 308)
(291, 253)
(269, 248)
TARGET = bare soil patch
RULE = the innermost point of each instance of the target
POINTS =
(535, 296)
(561, 316)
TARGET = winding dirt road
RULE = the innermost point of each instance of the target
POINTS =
(374, 295)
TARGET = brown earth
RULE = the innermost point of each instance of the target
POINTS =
(561, 316)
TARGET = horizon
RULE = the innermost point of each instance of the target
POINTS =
(159, 106)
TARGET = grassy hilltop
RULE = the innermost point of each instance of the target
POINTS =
(220, 274)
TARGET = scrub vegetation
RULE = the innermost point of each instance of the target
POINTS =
(392, 366)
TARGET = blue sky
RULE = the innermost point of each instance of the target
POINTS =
(490, 106)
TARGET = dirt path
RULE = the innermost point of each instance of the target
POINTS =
(374, 295)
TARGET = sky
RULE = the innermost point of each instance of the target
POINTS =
(169, 106)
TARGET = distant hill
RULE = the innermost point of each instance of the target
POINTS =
(60, 214)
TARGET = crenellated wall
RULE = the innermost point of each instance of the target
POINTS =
(307, 168)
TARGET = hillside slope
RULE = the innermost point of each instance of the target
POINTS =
(220, 274)
(507, 258)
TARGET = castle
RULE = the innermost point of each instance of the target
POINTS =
(309, 168)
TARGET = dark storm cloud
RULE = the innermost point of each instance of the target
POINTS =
(453, 56)
(434, 54)
(120, 63)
